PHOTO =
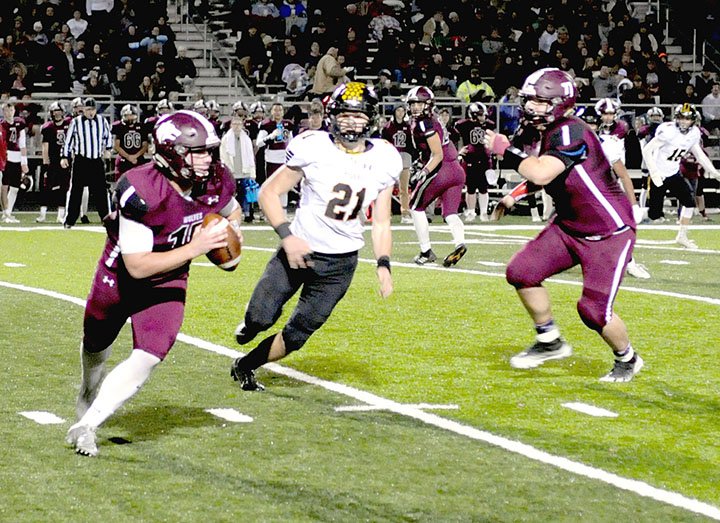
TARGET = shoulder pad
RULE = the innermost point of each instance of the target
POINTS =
(568, 136)
(129, 202)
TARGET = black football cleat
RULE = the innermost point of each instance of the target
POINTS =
(624, 371)
(454, 257)
(84, 219)
(245, 377)
(540, 352)
(425, 257)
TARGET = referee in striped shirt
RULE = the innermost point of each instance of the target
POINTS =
(89, 141)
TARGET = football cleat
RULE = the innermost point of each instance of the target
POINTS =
(686, 242)
(243, 335)
(425, 257)
(83, 439)
(624, 371)
(40, 219)
(454, 257)
(637, 270)
(469, 216)
(540, 352)
(245, 377)
(84, 219)
(406, 220)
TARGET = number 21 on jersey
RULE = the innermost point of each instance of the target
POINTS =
(346, 205)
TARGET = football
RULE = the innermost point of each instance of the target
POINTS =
(227, 257)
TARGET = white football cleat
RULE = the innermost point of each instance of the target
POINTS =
(469, 217)
(83, 439)
(637, 270)
(686, 242)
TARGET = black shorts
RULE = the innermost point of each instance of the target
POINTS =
(12, 174)
(475, 178)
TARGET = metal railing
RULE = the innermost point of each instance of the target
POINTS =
(215, 55)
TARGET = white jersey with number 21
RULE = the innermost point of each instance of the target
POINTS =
(337, 187)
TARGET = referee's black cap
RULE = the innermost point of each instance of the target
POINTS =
(89, 102)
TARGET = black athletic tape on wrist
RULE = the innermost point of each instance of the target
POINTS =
(384, 261)
(283, 230)
(513, 156)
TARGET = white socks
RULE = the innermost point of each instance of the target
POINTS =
(470, 202)
(119, 386)
(422, 229)
(84, 201)
(548, 206)
(456, 228)
(93, 367)
(483, 201)
(12, 197)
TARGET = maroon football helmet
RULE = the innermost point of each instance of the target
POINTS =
(551, 86)
(422, 94)
(177, 134)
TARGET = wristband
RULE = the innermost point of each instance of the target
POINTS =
(384, 261)
(23, 160)
(283, 230)
(513, 157)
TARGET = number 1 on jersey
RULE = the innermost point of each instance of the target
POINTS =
(346, 205)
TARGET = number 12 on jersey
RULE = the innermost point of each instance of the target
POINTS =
(346, 205)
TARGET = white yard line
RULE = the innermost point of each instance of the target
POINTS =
(422, 406)
(230, 415)
(674, 262)
(43, 418)
(638, 487)
(590, 410)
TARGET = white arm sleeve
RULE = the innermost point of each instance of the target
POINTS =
(703, 160)
(134, 237)
(229, 208)
(648, 153)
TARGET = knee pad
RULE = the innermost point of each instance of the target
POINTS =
(592, 313)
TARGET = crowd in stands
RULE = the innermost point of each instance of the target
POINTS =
(471, 50)
(123, 48)
(462, 49)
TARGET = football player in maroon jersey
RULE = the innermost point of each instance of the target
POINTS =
(153, 235)
(477, 161)
(397, 131)
(14, 131)
(441, 177)
(593, 225)
(55, 179)
(130, 141)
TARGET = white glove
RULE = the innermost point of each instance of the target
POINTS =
(638, 213)
(657, 179)
(715, 174)
(273, 134)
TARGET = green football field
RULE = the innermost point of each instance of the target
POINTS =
(398, 410)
